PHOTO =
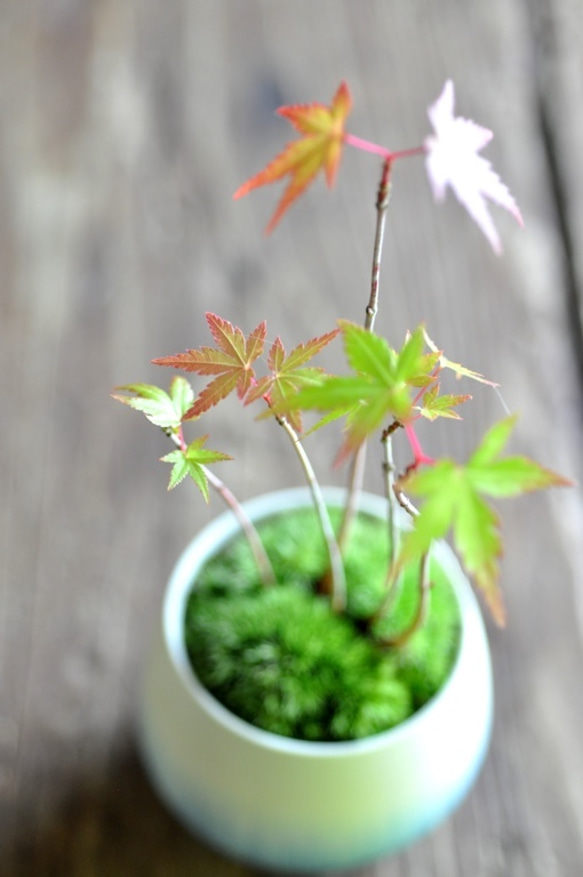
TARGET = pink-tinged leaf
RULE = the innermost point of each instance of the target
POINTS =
(319, 148)
(434, 405)
(459, 370)
(215, 392)
(276, 355)
(428, 370)
(378, 392)
(288, 376)
(232, 341)
(306, 351)
(452, 160)
(231, 361)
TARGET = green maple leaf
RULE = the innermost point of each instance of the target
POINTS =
(454, 499)
(380, 387)
(167, 410)
(230, 361)
(288, 376)
(434, 405)
(191, 461)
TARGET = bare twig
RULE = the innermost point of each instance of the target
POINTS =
(356, 478)
(383, 196)
(405, 502)
(336, 565)
(251, 534)
(393, 578)
(359, 459)
(261, 559)
(403, 638)
(389, 471)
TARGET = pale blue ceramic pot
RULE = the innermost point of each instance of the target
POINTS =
(291, 805)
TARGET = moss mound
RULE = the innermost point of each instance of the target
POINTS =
(279, 657)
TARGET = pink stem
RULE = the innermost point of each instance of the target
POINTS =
(367, 146)
(418, 453)
(408, 153)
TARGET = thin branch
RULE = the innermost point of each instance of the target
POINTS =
(359, 459)
(392, 502)
(383, 197)
(393, 578)
(262, 560)
(356, 478)
(260, 555)
(334, 555)
(405, 502)
(403, 638)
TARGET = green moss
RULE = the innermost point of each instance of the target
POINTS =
(281, 659)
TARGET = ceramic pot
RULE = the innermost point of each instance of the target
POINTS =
(293, 805)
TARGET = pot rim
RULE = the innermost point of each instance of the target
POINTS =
(211, 539)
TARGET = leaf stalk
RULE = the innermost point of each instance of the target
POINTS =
(260, 555)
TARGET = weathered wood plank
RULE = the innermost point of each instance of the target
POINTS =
(557, 32)
(129, 125)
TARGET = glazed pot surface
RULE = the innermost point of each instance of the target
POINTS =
(295, 805)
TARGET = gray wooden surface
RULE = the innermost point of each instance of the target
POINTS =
(125, 129)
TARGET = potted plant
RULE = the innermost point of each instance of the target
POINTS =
(320, 690)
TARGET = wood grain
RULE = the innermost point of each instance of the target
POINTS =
(126, 128)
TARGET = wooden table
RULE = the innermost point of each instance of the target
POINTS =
(125, 129)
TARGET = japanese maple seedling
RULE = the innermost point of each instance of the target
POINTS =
(386, 389)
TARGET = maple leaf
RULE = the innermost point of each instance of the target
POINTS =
(380, 387)
(163, 409)
(452, 160)
(459, 370)
(231, 361)
(434, 405)
(454, 499)
(288, 375)
(192, 461)
(319, 148)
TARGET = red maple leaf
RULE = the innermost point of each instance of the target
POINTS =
(320, 147)
(231, 361)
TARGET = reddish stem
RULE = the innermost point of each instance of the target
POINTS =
(420, 457)
(366, 145)
(376, 149)
(408, 153)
